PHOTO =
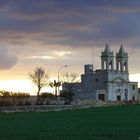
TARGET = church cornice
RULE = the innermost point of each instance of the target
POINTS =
(115, 80)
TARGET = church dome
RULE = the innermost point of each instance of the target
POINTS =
(122, 51)
(107, 51)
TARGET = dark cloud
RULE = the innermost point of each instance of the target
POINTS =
(123, 27)
(40, 31)
(7, 59)
(74, 23)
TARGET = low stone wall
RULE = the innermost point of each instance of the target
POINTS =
(41, 108)
(55, 105)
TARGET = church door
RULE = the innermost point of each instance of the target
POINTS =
(101, 97)
(118, 98)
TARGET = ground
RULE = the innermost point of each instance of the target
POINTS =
(104, 123)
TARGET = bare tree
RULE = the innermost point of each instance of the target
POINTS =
(40, 78)
(69, 80)
(70, 77)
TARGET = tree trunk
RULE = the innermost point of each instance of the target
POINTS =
(55, 90)
(38, 92)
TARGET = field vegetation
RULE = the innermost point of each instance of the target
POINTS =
(104, 123)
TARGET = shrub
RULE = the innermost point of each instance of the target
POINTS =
(5, 103)
(27, 103)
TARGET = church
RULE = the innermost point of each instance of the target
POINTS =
(111, 82)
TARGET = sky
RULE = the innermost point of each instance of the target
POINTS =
(54, 33)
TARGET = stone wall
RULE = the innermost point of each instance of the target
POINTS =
(41, 108)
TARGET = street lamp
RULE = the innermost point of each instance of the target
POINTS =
(58, 75)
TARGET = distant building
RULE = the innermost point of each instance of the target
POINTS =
(110, 83)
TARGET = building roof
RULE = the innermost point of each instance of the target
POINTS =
(107, 51)
(122, 52)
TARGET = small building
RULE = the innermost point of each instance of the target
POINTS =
(111, 82)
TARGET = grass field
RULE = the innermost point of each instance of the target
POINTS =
(110, 123)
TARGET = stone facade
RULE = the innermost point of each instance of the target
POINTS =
(110, 83)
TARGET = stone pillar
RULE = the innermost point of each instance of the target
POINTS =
(102, 65)
(107, 65)
(112, 66)
(122, 66)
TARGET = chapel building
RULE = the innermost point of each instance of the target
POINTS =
(111, 82)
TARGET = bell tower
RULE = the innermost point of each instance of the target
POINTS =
(122, 60)
(107, 59)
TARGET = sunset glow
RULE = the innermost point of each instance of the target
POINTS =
(55, 33)
(28, 87)
(135, 78)
(22, 86)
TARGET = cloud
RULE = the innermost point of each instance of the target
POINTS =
(40, 57)
(62, 53)
(53, 31)
(80, 23)
(7, 59)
